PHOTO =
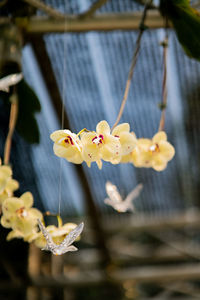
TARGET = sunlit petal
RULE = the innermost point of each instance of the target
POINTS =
(103, 128)
(160, 136)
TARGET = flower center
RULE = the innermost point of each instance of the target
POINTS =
(69, 140)
(21, 212)
(154, 148)
(98, 139)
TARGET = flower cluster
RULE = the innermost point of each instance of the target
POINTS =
(151, 153)
(22, 218)
(94, 146)
(118, 146)
(7, 184)
(19, 215)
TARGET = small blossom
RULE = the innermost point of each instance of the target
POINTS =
(67, 145)
(7, 184)
(127, 139)
(100, 145)
(19, 215)
(153, 153)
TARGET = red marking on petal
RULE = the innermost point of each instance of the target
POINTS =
(101, 136)
(98, 139)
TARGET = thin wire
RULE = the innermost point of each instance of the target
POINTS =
(133, 62)
(62, 118)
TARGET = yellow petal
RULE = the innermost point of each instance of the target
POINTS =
(159, 164)
(6, 171)
(10, 205)
(4, 195)
(59, 134)
(99, 164)
(126, 158)
(5, 174)
(25, 225)
(91, 152)
(70, 153)
(12, 185)
(141, 158)
(128, 142)
(167, 150)
(144, 144)
(160, 136)
(7, 221)
(103, 128)
(121, 128)
(27, 199)
(111, 149)
(87, 137)
(14, 234)
(30, 238)
(35, 214)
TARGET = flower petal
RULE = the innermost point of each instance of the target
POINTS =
(126, 158)
(71, 153)
(99, 164)
(7, 221)
(10, 205)
(111, 149)
(27, 199)
(128, 142)
(12, 185)
(121, 128)
(59, 134)
(159, 164)
(35, 213)
(91, 152)
(103, 128)
(167, 150)
(14, 234)
(159, 136)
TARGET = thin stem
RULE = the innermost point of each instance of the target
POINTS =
(133, 63)
(164, 84)
(12, 124)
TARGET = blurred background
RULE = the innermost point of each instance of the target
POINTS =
(79, 53)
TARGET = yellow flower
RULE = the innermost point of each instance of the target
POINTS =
(153, 153)
(7, 184)
(11, 186)
(100, 145)
(57, 233)
(19, 215)
(127, 139)
(67, 145)
(5, 174)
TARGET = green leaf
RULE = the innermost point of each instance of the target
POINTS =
(28, 106)
(186, 22)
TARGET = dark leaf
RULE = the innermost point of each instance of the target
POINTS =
(186, 22)
(28, 106)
